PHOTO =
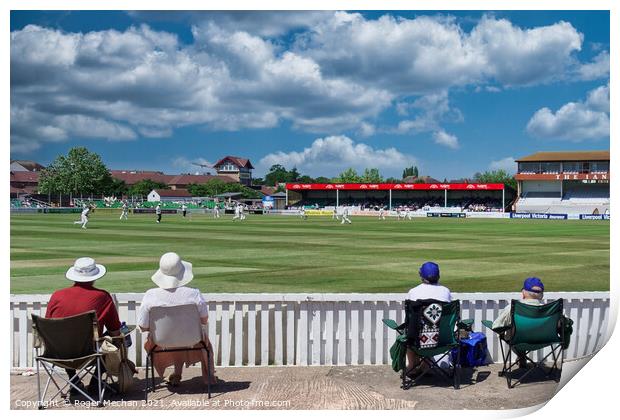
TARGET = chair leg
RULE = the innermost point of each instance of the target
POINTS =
(457, 369)
(208, 369)
(99, 375)
(40, 402)
(146, 379)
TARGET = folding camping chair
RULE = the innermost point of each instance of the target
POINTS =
(532, 328)
(431, 331)
(173, 329)
(69, 343)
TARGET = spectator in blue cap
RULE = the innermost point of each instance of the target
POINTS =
(531, 294)
(429, 289)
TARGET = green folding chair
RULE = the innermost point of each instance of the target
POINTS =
(70, 343)
(532, 328)
(432, 346)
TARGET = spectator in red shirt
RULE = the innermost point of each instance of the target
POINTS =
(82, 297)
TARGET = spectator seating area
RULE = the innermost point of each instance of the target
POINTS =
(576, 200)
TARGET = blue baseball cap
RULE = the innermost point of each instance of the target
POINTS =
(533, 282)
(429, 271)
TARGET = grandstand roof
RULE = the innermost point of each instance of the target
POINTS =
(566, 156)
(241, 162)
(173, 193)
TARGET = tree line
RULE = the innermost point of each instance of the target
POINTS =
(279, 174)
(83, 173)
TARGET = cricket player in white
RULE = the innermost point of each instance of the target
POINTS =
(216, 211)
(158, 213)
(345, 215)
(125, 211)
(335, 214)
(302, 213)
(184, 209)
(83, 218)
(381, 214)
(242, 211)
(408, 213)
(237, 212)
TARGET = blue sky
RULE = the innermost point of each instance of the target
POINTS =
(451, 92)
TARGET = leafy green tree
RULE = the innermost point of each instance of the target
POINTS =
(415, 171)
(258, 181)
(410, 171)
(322, 180)
(114, 187)
(293, 175)
(392, 180)
(144, 187)
(372, 175)
(80, 172)
(215, 187)
(349, 176)
(306, 179)
(499, 176)
(277, 173)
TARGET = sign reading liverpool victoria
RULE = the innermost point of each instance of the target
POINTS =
(403, 186)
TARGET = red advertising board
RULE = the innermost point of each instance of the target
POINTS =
(402, 187)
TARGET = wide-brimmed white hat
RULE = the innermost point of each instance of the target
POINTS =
(85, 270)
(173, 272)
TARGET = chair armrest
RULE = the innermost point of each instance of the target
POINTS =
(489, 325)
(118, 337)
(466, 323)
(390, 323)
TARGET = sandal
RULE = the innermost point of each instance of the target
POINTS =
(174, 379)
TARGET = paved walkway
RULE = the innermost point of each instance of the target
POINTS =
(321, 387)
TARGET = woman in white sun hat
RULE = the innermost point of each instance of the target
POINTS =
(171, 279)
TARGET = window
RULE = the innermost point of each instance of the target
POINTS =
(228, 168)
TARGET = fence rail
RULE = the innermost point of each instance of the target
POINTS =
(318, 329)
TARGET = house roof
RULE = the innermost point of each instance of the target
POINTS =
(267, 190)
(173, 193)
(29, 164)
(420, 179)
(131, 177)
(566, 156)
(186, 179)
(25, 176)
(240, 162)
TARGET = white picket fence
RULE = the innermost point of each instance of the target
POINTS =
(319, 329)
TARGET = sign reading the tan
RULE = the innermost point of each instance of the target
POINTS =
(563, 177)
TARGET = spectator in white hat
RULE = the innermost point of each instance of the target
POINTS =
(171, 278)
(82, 297)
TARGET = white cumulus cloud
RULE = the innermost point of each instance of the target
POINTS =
(574, 121)
(331, 155)
(446, 139)
(507, 164)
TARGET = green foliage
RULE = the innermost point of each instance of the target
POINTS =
(499, 176)
(144, 187)
(322, 180)
(372, 175)
(215, 187)
(410, 171)
(392, 180)
(348, 176)
(80, 172)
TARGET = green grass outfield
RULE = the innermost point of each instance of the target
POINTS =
(286, 254)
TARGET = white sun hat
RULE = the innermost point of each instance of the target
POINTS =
(173, 272)
(85, 270)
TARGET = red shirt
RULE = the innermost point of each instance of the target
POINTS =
(84, 297)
